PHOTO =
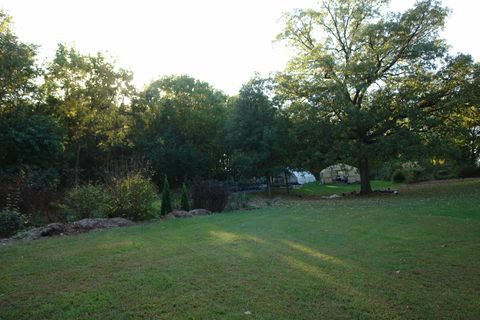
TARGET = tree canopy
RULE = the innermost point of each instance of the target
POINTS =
(18, 69)
(256, 133)
(179, 125)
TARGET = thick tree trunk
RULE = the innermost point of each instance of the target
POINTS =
(269, 185)
(286, 182)
(365, 187)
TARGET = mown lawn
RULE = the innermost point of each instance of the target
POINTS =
(318, 189)
(411, 256)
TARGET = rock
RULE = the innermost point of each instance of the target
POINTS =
(100, 223)
(199, 212)
(180, 214)
(49, 230)
(54, 229)
(333, 196)
(388, 191)
(167, 216)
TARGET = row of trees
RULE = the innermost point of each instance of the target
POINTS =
(364, 87)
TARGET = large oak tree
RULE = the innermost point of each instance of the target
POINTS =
(381, 79)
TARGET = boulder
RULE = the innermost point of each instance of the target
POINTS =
(333, 196)
(199, 212)
(49, 230)
(185, 214)
(180, 214)
(388, 191)
(54, 229)
(100, 223)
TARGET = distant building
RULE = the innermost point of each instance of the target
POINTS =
(339, 173)
(301, 177)
(295, 177)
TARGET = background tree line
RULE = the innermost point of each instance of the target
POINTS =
(365, 87)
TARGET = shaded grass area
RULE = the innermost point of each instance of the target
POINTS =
(318, 189)
(415, 255)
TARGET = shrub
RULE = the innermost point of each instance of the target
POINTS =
(387, 169)
(209, 195)
(237, 201)
(413, 175)
(398, 176)
(10, 222)
(133, 197)
(444, 174)
(166, 201)
(87, 201)
(185, 205)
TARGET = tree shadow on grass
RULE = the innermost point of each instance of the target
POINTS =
(324, 280)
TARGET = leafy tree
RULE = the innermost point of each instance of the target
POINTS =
(31, 139)
(470, 136)
(179, 126)
(461, 130)
(166, 201)
(377, 77)
(256, 133)
(314, 147)
(90, 96)
(17, 68)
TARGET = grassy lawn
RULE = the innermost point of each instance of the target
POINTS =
(318, 189)
(411, 256)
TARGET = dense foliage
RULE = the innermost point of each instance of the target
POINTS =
(257, 134)
(178, 123)
(10, 222)
(133, 197)
(87, 201)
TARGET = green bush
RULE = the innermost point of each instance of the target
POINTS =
(444, 174)
(398, 176)
(10, 222)
(413, 175)
(387, 169)
(166, 200)
(237, 201)
(133, 197)
(87, 201)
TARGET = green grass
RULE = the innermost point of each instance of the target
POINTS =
(411, 256)
(318, 189)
